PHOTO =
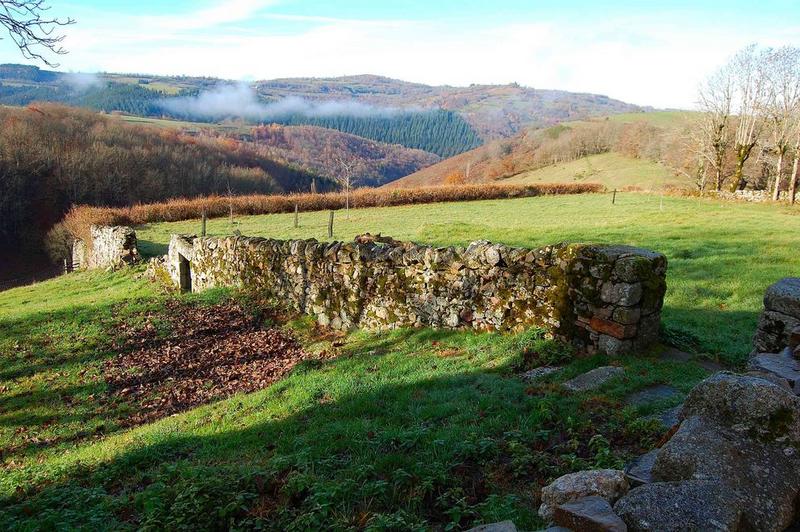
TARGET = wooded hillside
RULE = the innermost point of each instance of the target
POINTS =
(53, 156)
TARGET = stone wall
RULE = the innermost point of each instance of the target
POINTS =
(111, 246)
(781, 314)
(604, 298)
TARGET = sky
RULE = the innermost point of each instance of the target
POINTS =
(642, 52)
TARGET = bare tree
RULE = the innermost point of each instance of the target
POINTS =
(783, 105)
(713, 134)
(748, 68)
(347, 166)
(31, 30)
(795, 169)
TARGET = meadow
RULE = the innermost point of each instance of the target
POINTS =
(408, 430)
(612, 170)
(722, 255)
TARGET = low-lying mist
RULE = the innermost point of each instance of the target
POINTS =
(242, 101)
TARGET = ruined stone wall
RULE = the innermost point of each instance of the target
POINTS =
(605, 298)
(781, 314)
(111, 246)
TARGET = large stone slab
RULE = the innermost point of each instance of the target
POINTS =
(593, 379)
(705, 505)
(588, 514)
(651, 394)
(782, 365)
(767, 410)
(763, 475)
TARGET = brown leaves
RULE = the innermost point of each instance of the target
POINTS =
(199, 354)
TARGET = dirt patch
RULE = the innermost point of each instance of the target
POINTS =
(190, 355)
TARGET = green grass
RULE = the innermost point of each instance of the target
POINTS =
(722, 255)
(613, 170)
(412, 429)
(404, 430)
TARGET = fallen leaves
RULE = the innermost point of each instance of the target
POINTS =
(195, 355)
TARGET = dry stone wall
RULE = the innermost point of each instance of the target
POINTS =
(605, 298)
(111, 246)
(780, 316)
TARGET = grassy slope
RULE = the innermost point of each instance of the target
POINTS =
(613, 167)
(402, 430)
(406, 429)
(722, 256)
(610, 169)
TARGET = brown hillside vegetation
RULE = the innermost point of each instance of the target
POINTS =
(53, 156)
(332, 153)
(78, 220)
(535, 149)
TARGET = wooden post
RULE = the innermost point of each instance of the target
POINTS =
(614, 197)
(296, 216)
(66, 268)
(203, 228)
(330, 225)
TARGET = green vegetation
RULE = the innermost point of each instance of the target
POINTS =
(444, 133)
(722, 255)
(404, 430)
(610, 169)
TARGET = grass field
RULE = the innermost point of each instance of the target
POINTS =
(401, 431)
(722, 255)
(409, 430)
(613, 170)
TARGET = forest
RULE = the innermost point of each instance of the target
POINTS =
(52, 157)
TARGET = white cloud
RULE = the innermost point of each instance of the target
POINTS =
(645, 60)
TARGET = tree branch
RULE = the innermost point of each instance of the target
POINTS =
(31, 31)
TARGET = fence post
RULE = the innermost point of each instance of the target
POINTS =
(66, 268)
(296, 216)
(203, 229)
(614, 197)
(330, 225)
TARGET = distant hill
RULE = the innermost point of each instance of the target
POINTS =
(641, 150)
(493, 110)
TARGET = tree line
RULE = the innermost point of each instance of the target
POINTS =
(439, 131)
(52, 157)
(750, 125)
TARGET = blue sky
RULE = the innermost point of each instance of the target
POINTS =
(651, 53)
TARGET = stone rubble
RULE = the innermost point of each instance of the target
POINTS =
(781, 315)
(609, 484)
(599, 298)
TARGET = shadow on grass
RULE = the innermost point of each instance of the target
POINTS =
(339, 446)
(711, 332)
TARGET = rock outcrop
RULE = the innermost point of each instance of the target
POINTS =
(732, 465)
(605, 298)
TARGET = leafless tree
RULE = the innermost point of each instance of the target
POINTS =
(749, 72)
(31, 30)
(783, 105)
(347, 166)
(713, 136)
